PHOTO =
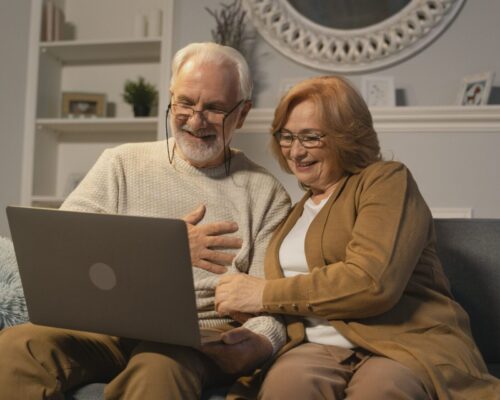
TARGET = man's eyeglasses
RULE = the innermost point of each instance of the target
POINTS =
(183, 112)
(308, 140)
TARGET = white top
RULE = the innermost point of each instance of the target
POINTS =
(292, 258)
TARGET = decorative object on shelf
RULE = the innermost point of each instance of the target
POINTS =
(378, 91)
(53, 22)
(397, 35)
(142, 95)
(83, 105)
(155, 23)
(140, 26)
(475, 89)
(231, 29)
(148, 24)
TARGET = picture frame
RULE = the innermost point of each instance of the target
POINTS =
(475, 89)
(378, 91)
(83, 105)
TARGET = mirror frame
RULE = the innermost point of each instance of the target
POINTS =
(355, 50)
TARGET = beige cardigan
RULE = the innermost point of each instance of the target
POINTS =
(375, 275)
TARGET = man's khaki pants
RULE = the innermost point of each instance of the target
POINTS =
(38, 362)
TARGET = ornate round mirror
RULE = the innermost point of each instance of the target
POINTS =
(350, 35)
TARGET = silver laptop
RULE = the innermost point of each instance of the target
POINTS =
(120, 275)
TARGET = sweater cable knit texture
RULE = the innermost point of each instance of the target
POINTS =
(137, 179)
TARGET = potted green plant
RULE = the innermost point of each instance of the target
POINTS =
(141, 95)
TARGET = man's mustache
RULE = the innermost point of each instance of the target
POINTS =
(198, 133)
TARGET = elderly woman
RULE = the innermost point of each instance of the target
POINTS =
(354, 268)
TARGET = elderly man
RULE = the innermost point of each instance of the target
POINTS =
(210, 91)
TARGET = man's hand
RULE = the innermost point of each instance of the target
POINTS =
(203, 238)
(240, 351)
(240, 293)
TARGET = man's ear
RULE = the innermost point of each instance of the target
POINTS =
(247, 105)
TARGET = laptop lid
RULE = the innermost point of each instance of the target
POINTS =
(121, 275)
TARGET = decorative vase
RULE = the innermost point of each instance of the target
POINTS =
(142, 110)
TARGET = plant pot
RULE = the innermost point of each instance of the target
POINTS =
(142, 110)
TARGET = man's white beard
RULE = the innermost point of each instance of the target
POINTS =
(201, 152)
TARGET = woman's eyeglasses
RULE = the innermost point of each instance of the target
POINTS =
(308, 140)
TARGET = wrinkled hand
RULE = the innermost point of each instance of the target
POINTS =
(239, 293)
(240, 351)
(203, 238)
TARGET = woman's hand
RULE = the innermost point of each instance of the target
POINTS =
(202, 238)
(240, 293)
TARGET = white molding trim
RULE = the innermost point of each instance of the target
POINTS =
(442, 119)
(351, 50)
(451, 212)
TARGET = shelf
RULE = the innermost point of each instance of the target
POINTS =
(435, 119)
(119, 125)
(102, 54)
(99, 51)
(47, 201)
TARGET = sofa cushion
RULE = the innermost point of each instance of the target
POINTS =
(469, 250)
(12, 304)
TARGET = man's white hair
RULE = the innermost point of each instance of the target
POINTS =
(214, 53)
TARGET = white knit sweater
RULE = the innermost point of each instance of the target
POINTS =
(137, 179)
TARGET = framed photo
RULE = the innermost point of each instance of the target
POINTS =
(378, 91)
(475, 89)
(83, 105)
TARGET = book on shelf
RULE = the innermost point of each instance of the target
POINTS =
(53, 21)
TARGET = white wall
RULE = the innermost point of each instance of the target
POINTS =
(14, 30)
(432, 77)
(452, 171)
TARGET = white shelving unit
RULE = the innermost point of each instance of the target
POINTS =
(98, 51)
(100, 56)
(146, 125)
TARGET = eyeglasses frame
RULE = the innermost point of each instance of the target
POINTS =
(300, 138)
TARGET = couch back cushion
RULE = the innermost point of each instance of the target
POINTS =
(469, 250)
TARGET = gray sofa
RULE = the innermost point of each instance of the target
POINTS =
(470, 252)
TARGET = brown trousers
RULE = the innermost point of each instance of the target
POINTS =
(42, 363)
(313, 371)
(38, 362)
